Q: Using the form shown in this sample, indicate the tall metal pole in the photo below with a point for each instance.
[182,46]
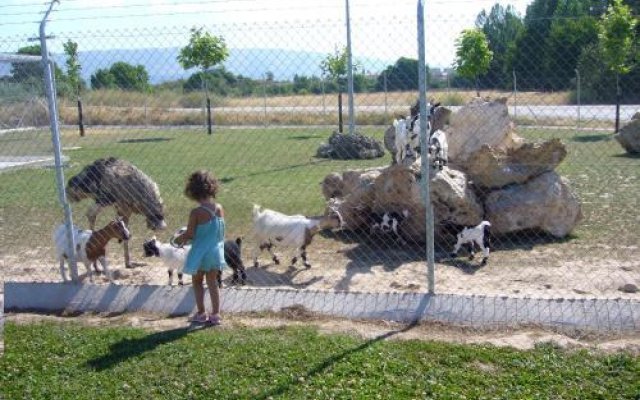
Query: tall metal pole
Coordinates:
[515,95]
[55,139]
[426,165]
[350,74]
[578,98]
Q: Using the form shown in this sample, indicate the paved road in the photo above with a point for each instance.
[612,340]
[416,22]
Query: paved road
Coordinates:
[588,112]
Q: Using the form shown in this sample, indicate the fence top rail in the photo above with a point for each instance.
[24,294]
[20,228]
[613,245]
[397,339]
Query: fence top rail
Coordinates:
[8,57]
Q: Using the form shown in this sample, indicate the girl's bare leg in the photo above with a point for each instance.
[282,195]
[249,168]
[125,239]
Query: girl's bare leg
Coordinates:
[198,290]
[214,291]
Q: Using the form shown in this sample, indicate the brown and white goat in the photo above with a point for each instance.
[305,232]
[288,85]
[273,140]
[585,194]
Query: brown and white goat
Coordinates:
[90,245]
[272,228]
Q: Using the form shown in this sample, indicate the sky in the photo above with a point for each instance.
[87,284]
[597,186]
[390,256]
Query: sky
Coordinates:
[380,28]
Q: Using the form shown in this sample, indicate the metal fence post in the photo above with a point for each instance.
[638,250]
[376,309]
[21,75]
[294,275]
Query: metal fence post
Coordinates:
[578,98]
[55,139]
[425,167]
[350,74]
[515,96]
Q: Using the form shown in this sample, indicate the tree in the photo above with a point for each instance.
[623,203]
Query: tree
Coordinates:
[27,71]
[73,66]
[501,26]
[473,55]
[335,66]
[204,51]
[121,75]
[403,75]
[130,77]
[616,37]
[103,79]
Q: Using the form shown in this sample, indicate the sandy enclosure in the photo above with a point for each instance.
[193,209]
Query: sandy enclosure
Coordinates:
[548,271]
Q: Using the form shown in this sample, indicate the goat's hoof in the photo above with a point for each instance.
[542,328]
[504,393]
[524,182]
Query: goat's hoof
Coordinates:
[276,261]
[294,260]
[128,266]
[484,262]
[471,257]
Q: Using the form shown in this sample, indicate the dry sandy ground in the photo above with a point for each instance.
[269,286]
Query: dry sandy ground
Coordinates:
[546,271]
[371,330]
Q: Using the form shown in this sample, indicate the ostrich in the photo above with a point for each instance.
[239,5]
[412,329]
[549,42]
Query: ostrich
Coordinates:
[118,183]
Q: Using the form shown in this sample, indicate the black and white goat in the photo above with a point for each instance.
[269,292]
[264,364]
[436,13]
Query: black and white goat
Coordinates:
[90,245]
[478,235]
[388,222]
[174,257]
[273,228]
[438,146]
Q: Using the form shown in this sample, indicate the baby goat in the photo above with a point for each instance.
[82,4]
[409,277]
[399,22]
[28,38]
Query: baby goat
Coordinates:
[272,228]
[479,235]
[388,223]
[174,257]
[90,245]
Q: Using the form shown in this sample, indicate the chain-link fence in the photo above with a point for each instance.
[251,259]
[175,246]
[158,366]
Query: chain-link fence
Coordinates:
[530,150]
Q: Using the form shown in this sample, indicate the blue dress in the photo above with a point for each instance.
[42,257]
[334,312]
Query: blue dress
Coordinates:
[207,247]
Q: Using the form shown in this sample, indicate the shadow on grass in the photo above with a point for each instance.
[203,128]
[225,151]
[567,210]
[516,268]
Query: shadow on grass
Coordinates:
[304,137]
[130,348]
[591,138]
[336,358]
[627,155]
[145,140]
[227,179]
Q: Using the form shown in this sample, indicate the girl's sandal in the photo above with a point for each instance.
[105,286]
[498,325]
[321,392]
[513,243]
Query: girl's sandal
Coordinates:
[199,318]
[214,320]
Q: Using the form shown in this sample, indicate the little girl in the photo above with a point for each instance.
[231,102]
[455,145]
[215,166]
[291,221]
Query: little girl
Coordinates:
[206,230]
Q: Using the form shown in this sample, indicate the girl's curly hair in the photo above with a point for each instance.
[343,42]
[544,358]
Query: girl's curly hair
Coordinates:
[200,185]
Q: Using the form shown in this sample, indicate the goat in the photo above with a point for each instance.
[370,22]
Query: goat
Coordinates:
[479,235]
[174,257]
[439,149]
[388,223]
[272,228]
[111,181]
[90,245]
[402,142]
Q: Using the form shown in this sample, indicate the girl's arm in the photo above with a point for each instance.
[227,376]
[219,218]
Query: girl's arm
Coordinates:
[191,227]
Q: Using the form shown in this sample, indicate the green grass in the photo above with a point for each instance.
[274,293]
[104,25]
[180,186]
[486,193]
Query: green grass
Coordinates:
[69,361]
[277,168]
[273,167]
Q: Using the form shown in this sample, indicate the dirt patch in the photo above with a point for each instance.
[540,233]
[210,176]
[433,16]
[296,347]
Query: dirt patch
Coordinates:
[544,271]
[522,339]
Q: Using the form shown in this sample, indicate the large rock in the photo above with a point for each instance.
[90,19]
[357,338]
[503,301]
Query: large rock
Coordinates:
[477,124]
[546,203]
[629,136]
[397,188]
[492,168]
[347,147]
[354,190]
[454,200]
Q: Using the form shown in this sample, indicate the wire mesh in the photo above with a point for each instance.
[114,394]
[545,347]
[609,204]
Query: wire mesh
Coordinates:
[541,165]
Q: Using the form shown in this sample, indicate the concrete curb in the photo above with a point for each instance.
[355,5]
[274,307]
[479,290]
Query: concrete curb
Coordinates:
[478,311]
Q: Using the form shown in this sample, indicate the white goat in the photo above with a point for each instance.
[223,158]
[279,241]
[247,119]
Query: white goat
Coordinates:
[479,235]
[402,140]
[272,228]
[90,245]
[172,257]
